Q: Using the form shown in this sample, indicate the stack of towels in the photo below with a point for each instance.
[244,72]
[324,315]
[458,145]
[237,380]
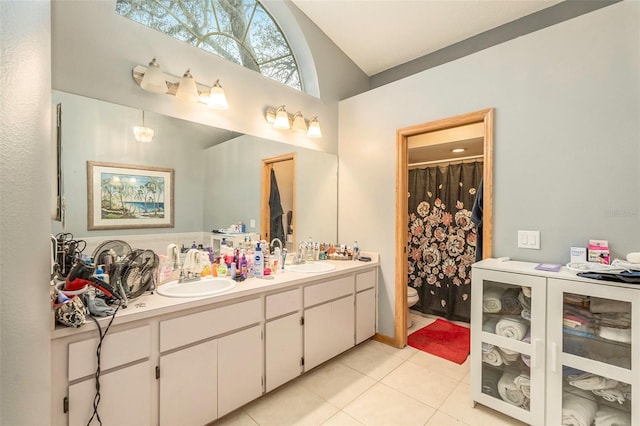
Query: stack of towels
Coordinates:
[579,408]
[507,301]
[511,386]
[612,319]
[608,389]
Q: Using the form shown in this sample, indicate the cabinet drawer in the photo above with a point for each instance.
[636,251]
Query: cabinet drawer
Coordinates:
[329,290]
[195,327]
[283,303]
[117,349]
[365,280]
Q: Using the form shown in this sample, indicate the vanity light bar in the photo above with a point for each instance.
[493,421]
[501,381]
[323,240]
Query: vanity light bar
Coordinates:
[173,83]
[279,118]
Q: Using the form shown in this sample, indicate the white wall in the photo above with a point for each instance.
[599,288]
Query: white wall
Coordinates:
[25,86]
[94,51]
[567,126]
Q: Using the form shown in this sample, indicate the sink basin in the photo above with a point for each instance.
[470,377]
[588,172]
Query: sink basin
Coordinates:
[310,267]
[204,287]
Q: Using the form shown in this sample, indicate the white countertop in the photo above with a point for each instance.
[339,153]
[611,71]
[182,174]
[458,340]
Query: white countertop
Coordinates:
[153,304]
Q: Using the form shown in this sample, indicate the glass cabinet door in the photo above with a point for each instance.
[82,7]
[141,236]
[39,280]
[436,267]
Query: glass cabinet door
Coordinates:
[508,336]
[590,328]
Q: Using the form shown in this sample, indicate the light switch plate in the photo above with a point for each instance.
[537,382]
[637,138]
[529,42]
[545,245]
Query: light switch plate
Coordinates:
[529,240]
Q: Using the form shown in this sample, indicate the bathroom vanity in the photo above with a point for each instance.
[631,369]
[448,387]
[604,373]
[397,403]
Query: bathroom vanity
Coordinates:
[189,361]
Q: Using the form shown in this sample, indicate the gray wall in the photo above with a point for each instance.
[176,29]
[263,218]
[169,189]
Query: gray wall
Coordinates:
[233,185]
[25,86]
[101,131]
[567,125]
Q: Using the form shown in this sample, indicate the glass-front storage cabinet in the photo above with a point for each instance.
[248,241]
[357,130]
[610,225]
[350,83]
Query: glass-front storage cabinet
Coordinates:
[508,343]
[592,353]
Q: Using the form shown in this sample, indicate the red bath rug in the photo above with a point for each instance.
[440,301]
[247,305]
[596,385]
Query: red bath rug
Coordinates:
[443,339]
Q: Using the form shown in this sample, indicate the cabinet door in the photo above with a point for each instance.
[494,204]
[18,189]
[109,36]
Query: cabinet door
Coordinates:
[188,385]
[240,366]
[328,331]
[591,328]
[283,342]
[124,397]
[365,315]
[507,343]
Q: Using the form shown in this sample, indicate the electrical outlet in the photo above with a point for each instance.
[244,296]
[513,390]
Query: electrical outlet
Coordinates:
[252,223]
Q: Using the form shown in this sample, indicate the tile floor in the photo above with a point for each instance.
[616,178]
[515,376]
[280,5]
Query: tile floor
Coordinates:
[374,384]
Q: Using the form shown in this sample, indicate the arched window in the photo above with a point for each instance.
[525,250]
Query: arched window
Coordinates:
[241,31]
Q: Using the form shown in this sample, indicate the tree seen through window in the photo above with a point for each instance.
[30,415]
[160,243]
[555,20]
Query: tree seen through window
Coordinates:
[241,31]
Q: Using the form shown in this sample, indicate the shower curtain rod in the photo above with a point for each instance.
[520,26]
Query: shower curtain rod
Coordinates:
[452,160]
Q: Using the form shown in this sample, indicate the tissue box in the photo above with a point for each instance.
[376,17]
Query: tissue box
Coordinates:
[599,251]
[578,254]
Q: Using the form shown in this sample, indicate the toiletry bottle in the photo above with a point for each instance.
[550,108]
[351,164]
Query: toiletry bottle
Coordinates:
[243,266]
[258,262]
[276,259]
[222,268]
[309,249]
[233,271]
[194,245]
[356,250]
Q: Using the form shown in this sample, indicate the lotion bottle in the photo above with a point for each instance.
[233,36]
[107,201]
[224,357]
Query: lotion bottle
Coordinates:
[258,262]
[222,268]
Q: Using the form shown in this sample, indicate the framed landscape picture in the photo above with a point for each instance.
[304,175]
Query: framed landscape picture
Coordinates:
[124,196]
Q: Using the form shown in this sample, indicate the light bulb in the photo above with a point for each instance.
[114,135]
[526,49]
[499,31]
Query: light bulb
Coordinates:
[299,125]
[314,129]
[282,119]
[217,98]
[187,89]
[153,80]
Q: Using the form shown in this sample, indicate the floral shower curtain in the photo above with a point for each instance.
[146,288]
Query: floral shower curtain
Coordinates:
[442,238]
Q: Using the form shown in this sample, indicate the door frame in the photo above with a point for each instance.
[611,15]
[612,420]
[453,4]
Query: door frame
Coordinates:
[402,208]
[265,211]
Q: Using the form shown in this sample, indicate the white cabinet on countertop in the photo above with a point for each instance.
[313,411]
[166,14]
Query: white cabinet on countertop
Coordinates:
[168,361]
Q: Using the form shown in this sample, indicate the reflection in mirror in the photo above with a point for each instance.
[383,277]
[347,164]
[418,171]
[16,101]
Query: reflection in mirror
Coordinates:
[278,199]
[217,172]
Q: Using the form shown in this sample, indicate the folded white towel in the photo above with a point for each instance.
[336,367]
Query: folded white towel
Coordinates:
[578,410]
[508,390]
[616,334]
[492,357]
[611,395]
[491,300]
[588,381]
[513,328]
[524,384]
[608,416]
[526,291]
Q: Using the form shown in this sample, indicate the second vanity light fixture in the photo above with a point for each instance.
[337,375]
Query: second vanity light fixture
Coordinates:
[279,118]
[152,79]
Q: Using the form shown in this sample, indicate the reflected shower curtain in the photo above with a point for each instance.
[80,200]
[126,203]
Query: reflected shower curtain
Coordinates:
[442,238]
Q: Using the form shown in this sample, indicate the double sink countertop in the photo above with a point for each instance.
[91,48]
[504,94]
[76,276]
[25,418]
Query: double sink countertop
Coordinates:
[153,304]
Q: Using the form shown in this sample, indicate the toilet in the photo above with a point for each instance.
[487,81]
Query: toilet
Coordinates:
[412,299]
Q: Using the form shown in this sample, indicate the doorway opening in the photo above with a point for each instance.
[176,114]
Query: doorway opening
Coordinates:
[436,135]
[278,200]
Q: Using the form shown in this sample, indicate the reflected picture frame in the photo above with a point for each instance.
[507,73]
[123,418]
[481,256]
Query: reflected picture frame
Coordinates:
[123,196]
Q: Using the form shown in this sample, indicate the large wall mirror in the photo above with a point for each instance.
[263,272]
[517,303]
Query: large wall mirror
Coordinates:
[217,172]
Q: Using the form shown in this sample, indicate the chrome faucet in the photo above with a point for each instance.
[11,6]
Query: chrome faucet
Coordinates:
[274,241]
[188,277]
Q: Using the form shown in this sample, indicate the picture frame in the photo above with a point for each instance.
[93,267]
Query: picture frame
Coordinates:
[123,196]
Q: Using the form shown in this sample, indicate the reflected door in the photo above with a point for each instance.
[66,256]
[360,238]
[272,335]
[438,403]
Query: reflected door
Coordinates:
[277,208]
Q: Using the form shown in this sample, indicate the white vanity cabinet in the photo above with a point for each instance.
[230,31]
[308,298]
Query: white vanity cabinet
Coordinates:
[329,320]
[210,363]
[125,380]
[169,361]
[507,343]
[580,355]
[365,305]
[283,337]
